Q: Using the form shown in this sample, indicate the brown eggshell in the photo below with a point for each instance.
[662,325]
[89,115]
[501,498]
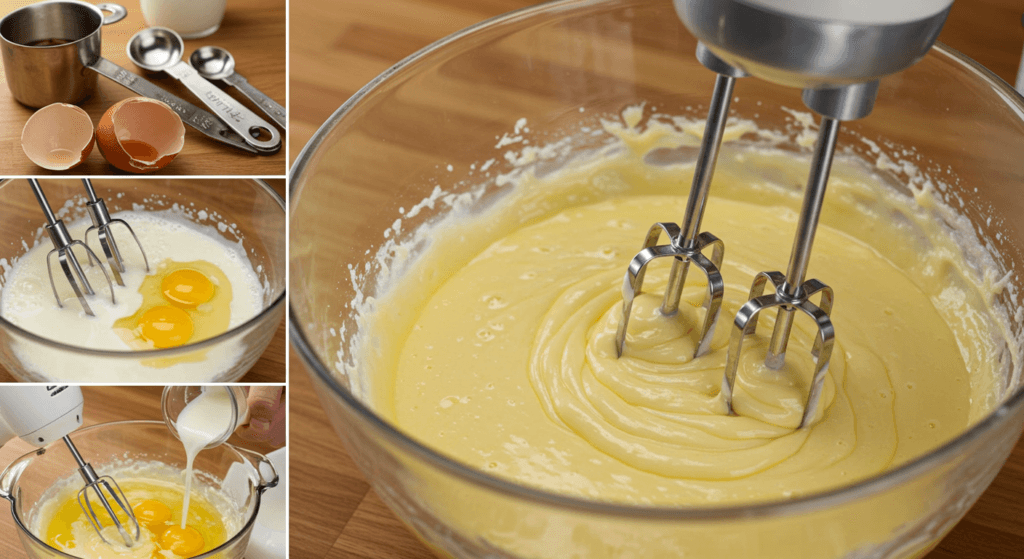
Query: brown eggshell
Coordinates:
[140,135]
[58,137]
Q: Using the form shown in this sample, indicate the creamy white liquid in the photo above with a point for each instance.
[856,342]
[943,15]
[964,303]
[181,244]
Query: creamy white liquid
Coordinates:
[27,301]
[204,420]
[27,298]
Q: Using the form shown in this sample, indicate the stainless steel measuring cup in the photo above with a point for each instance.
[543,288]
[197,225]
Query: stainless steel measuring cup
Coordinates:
[47,48]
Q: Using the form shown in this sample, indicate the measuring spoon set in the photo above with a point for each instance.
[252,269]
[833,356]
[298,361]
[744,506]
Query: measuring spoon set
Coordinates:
[52,52]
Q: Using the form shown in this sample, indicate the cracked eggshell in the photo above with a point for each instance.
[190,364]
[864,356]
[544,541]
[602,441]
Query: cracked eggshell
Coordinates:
[140,135]
[58,137]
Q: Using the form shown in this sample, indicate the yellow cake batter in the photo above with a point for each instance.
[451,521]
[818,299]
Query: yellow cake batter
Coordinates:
[503,337]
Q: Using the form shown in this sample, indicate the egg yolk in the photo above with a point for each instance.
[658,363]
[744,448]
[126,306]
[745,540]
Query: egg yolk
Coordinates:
[187,288]
[151,512]
[185,542]
[194,304]
[166,326]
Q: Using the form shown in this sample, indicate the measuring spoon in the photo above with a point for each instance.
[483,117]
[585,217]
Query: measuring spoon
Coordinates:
[215,63]
[159,49]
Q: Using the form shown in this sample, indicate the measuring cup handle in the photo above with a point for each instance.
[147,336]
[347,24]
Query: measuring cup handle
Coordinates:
[234,114]
[264,468]
[117,12]
[272,108]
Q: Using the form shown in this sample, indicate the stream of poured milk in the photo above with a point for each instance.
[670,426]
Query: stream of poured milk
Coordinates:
[204,420]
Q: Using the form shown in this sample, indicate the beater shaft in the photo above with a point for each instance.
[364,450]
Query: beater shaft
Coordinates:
[63,245]
[702,175]
[821,165]
[101,224]
[107,490]
[792,291]
[688,243]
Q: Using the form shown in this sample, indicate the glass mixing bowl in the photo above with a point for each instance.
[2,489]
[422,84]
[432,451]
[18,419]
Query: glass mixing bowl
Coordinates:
[243,210]
[239,475]
[444,119]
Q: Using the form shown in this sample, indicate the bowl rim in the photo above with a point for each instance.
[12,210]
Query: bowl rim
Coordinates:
[246,527]
[866,487]
[173,351]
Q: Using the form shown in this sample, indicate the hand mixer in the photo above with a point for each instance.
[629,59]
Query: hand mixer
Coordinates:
[835,51]
[39,415]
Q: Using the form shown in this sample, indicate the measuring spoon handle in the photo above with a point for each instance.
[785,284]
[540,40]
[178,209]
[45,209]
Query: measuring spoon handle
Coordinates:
[269,107]
[190,114]
[233,113]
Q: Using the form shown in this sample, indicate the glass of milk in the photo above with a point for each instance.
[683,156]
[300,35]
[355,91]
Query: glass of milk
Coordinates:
[191,19]
[224,408]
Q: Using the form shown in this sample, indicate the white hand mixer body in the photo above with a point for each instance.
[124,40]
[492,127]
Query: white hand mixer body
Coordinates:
[40,415]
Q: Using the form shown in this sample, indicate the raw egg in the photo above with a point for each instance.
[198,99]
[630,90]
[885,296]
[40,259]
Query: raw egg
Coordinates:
[166,326]
[187,287]
[157,504]
[152,512]
[58,137]
[140,135]
[182,302]
[185,541]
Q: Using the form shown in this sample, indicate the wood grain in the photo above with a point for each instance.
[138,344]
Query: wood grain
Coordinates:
[365,37]
[102,405]
[252,30]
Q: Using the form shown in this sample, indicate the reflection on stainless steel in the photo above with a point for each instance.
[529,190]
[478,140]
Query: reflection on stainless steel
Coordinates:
[47,46]
[836,53]
[101,224]
[215,63]
[817,50]
[687,243]
[202,121]
[63,248]
[159,49]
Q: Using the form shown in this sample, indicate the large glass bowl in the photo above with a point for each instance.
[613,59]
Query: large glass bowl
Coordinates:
[438,118]
[251,213]
[238,475]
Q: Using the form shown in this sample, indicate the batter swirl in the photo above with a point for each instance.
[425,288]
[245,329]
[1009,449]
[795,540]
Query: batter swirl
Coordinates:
[509,364]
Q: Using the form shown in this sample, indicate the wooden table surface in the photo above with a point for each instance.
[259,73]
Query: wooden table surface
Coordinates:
[102,405]
[253,31]
[345,518]
[271,365]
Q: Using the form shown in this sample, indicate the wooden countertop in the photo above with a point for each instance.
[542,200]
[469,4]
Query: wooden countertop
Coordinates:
[102,404]
[252,30]
[364,37]
[271,365]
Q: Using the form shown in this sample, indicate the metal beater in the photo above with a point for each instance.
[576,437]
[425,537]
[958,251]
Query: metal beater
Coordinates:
[687,244]
[835,51]
[63,245]
[101,224]
[105,490]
